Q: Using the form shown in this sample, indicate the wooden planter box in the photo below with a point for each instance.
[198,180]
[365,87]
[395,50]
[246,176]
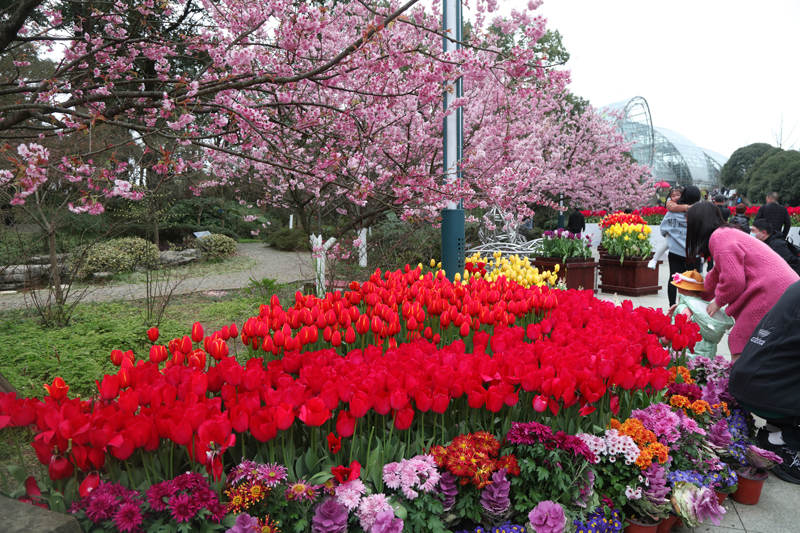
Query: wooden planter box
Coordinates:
[631,278]
[579,272]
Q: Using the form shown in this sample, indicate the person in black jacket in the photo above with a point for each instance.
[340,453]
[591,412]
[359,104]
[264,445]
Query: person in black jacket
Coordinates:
[577,222]
[762,230]
[719,201]
[741,219]
[776,214]
[765,380]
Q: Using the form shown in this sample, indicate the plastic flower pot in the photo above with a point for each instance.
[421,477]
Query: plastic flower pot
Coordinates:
[638,527]
[721,496]
[749,491]
[666,524]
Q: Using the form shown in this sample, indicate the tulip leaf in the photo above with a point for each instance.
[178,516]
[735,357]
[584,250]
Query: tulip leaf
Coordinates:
[299,468]
[56,501]
[18,473]
[320,477]
[310,460]
[70,490]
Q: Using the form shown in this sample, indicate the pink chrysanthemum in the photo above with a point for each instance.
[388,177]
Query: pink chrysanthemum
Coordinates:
[128,517]
[272,474]
[159,494]
[182,507]
[101,508]
[301,491]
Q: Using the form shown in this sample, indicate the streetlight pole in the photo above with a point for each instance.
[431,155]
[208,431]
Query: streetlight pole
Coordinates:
[452,142]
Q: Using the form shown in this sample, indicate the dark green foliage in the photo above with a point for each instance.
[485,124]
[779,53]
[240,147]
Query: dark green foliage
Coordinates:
[395,243]
[734,170]
[216,245]
[177,233]
[289,240]
[777,170]
[79,353]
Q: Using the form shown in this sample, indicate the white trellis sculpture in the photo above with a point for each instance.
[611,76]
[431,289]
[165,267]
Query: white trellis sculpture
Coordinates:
[319,252]
[320,256]
[504,230]
[504,237]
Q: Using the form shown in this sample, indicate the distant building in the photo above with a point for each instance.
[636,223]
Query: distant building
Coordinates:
[671,156]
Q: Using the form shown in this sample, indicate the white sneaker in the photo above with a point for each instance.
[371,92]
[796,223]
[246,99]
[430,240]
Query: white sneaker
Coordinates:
[652,264]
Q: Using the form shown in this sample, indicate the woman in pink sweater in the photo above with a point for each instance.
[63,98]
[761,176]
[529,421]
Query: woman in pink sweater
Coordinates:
[747,276]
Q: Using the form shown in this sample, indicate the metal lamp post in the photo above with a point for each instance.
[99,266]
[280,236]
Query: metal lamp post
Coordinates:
[453,214]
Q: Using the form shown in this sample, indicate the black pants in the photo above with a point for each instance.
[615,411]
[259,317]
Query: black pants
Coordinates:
[677,263]
[789,430]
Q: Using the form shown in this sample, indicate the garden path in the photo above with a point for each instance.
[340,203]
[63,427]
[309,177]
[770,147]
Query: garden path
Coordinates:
[282,266]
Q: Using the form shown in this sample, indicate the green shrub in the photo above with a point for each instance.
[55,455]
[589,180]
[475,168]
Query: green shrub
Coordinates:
[289,240]
[119,255]
[215,246]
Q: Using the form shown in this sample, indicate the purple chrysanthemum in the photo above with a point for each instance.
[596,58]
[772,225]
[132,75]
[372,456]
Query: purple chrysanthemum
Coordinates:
[547,517]
[330,517]
[128,517]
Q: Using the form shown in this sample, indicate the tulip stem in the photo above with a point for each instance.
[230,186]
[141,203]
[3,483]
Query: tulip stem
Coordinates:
[131,484]
[146,471]
[5,482]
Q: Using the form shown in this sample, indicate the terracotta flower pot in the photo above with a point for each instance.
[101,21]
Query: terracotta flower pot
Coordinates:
[666,524]
[629,278]
[638,527]
[721,496]
[749,491]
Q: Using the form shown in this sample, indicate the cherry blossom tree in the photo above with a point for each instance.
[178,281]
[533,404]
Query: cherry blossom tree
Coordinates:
[335,106]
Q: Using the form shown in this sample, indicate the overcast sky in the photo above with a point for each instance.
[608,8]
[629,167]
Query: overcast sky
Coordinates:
[722,73]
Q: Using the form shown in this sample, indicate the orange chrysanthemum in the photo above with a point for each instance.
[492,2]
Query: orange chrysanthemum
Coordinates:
[679,401]
[684,372]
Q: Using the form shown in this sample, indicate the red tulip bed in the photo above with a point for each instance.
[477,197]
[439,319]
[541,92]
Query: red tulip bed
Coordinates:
[380,408]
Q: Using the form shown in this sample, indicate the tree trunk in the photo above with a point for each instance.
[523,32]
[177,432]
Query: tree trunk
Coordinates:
[155,232]
[5,386]
[55,271]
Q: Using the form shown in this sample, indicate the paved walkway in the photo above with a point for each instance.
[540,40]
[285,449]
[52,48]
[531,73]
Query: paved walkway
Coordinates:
[282,266]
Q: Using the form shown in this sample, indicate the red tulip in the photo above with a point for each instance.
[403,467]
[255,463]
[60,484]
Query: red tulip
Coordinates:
[345,424]
[152,334]
[109,388]
[116,357]
[615,404]
[343,474]
[539,403]
[403,418]
[334,443]
[197,332]
[59,468]
[234,331]
[91,482]
[314,412]
[186,344]
[58,390]
[360,403]
[158,353]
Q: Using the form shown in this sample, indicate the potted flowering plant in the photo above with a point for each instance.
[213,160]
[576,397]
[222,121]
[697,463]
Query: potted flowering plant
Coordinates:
[569,255]
[753,473]
[630,277]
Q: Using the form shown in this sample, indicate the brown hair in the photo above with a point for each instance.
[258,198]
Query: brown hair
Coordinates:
[741,209]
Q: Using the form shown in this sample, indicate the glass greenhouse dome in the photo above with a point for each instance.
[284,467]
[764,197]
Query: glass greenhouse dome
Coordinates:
[671,156]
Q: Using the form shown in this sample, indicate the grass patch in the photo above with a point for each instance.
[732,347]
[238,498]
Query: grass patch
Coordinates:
[79,353]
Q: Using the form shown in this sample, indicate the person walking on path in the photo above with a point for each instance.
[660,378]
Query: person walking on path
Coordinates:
[719,201]
[762,230]
[740,218]
[776,214]
[673,227]
[577,222]
[748,278]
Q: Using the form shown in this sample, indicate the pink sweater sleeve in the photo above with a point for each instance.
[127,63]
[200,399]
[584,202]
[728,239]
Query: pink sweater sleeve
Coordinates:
[710,285]
[731,282]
